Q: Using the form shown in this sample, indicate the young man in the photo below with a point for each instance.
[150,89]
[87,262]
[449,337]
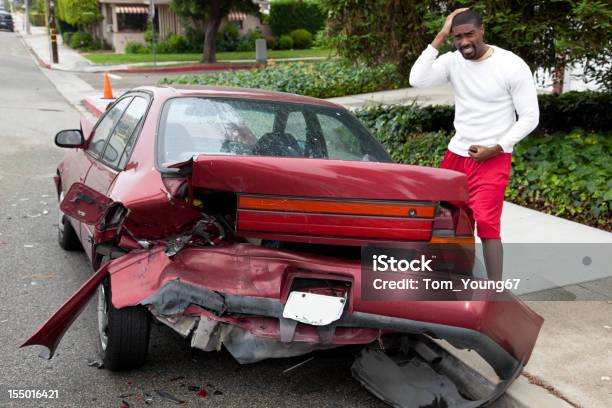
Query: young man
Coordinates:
[491,86]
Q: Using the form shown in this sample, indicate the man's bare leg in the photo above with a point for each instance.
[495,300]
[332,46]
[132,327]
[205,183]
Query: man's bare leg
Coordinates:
[494,257]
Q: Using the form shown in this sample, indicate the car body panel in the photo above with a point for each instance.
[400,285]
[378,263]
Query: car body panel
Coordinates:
[184,261]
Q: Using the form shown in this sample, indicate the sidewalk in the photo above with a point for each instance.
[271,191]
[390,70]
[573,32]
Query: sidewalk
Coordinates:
[573,356]
[72,61]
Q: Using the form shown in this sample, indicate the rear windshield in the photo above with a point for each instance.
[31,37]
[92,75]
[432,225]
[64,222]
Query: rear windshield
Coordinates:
[193,125]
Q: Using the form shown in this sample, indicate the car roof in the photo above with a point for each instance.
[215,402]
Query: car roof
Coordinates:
[170,91]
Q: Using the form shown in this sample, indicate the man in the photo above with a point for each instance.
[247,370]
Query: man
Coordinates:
[490,84]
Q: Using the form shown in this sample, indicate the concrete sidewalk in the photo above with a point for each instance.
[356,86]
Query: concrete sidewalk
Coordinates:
[72,61]
[572,362]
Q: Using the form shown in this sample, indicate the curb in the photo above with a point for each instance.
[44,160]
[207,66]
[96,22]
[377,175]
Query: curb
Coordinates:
[41,63]
[188,68]
[92,107]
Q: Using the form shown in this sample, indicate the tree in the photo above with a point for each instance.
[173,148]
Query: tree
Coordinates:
[208,14]
[78,12]
[548,34]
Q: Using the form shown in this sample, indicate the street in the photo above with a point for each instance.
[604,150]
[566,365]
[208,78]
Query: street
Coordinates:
[36,276]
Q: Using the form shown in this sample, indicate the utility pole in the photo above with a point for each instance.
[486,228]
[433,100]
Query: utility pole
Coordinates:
[26,20]
[52,32]
[151,21]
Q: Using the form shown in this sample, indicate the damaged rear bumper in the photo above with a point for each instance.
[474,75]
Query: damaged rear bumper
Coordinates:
[175,297]
[235,294]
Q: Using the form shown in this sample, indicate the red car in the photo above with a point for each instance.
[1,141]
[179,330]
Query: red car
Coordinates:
[237,217]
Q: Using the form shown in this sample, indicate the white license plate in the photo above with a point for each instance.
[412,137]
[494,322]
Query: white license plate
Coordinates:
[314,309]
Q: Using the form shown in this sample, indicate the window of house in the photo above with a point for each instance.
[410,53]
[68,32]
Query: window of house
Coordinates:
[132,21]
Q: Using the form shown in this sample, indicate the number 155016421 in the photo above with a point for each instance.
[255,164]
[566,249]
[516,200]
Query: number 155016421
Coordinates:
[33,394]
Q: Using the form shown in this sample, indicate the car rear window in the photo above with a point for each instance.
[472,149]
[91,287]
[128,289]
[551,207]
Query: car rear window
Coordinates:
[195,125]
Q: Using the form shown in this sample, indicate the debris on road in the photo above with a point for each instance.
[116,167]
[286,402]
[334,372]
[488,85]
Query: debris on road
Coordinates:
[298,365]
[28,246]
[95,363]
[124,404]
[605,378]
[167,396]
[180,377]
[202,393]
[217,392]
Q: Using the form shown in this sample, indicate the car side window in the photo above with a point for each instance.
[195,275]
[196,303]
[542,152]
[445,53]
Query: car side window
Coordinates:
[340,141]
[121,138]
[106,126]
[296,126]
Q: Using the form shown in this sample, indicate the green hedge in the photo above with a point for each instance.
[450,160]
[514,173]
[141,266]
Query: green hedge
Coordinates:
[567,174]
[289,15]
[586,110]
[323,79]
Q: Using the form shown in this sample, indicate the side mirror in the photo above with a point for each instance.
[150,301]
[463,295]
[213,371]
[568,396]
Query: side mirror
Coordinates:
[69,138]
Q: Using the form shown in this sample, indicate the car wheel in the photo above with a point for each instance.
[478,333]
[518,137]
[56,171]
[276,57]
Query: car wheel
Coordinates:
[123,333]
[66,235]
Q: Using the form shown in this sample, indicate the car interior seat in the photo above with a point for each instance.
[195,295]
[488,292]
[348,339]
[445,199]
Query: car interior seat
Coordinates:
[178,143]
[278,144]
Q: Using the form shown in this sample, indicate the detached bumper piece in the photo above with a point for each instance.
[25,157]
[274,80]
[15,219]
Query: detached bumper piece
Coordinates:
[422,374]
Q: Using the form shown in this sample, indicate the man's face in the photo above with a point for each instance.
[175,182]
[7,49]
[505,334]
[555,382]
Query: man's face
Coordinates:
[468,39]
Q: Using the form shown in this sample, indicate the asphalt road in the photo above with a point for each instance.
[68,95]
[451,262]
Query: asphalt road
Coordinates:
[36,276]
[129,81]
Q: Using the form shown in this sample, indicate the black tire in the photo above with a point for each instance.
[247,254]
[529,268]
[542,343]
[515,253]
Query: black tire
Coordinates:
[66,235]
[127,333]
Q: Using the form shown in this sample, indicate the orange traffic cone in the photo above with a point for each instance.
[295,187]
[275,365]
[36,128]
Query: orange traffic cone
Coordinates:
[108,91]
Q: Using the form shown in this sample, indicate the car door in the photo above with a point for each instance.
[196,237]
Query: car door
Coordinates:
[111,156]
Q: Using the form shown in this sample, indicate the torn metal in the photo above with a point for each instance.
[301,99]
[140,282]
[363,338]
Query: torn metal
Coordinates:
[226,260]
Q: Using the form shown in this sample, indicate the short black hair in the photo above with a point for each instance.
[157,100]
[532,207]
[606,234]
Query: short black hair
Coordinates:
[467,17]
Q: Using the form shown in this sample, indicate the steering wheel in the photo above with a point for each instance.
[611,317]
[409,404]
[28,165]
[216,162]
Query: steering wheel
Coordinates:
[278,144]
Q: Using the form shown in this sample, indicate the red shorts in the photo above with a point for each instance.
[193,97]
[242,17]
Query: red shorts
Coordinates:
[487,183]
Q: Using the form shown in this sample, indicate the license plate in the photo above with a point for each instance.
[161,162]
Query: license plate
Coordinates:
[313,309]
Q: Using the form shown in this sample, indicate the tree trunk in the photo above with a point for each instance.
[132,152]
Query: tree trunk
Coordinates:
[210,37]
[558,75]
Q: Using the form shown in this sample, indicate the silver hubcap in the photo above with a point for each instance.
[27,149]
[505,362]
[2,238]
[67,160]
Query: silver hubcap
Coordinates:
[102,317]
[60,221]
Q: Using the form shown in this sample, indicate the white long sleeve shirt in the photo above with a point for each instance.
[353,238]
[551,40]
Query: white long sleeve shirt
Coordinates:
[487,94]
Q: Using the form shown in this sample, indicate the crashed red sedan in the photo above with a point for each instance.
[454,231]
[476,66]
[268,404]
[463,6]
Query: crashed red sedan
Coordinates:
[237,217]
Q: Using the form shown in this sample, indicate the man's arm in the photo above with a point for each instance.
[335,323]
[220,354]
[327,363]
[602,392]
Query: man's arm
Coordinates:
[525,99]
[427,70]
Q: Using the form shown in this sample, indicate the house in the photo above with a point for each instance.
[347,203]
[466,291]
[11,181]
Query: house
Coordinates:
[126,20]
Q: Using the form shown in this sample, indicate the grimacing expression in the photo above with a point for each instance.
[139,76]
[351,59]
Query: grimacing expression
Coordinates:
[468,39]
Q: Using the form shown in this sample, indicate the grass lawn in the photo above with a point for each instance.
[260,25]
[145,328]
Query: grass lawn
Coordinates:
[110,58]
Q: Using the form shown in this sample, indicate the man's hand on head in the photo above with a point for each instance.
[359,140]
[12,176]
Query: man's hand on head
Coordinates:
[482,153]
[446,29]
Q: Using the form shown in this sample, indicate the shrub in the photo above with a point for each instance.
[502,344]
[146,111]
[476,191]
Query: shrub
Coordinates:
[586,110]
[228,38]
[323,40]
[285,42]
[195,39]
[66,37]
[177,43]
[319,79]
[566,173]
[134,47]
[302,39]
[289,15]
[247,42]
[271,42]
[37,19]
[81,39]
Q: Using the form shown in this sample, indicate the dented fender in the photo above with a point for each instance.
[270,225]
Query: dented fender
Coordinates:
[50,333]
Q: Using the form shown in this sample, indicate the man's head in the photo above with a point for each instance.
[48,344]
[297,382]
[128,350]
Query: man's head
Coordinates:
[468,34]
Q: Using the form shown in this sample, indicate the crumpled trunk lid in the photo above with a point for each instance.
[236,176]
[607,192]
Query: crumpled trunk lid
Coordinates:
[311,200]
[336,179]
